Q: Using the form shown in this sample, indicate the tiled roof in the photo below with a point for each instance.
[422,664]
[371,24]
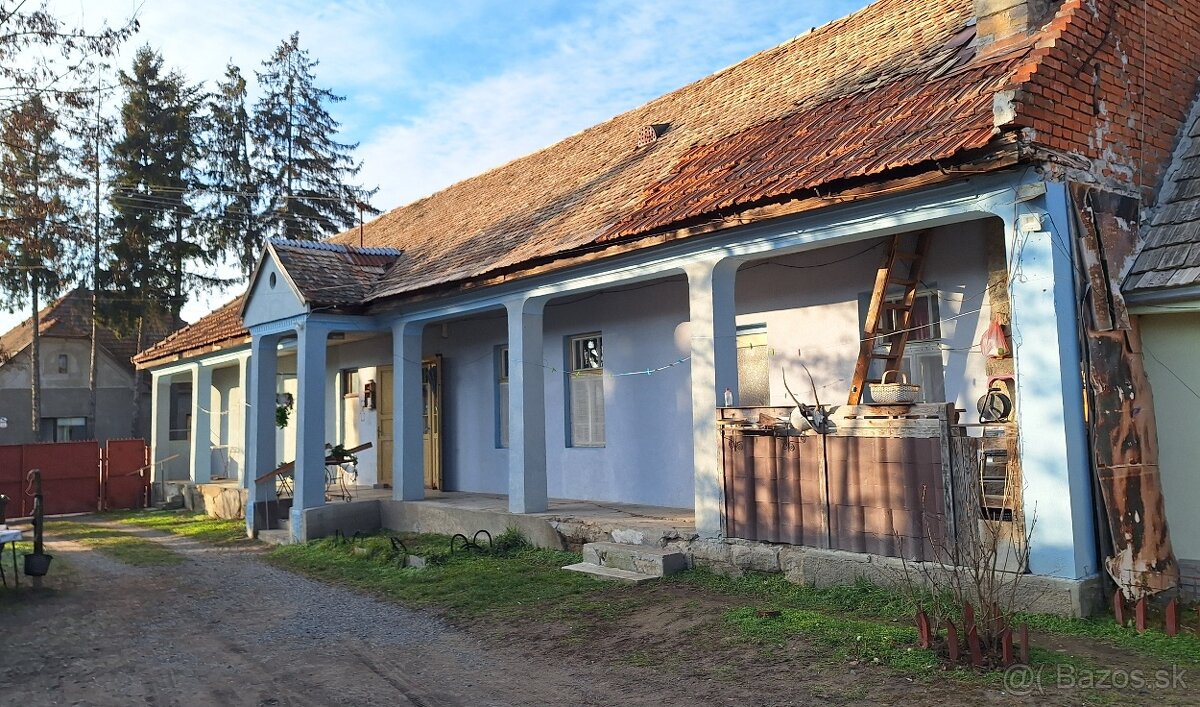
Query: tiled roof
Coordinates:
[70,317]
[333,274]
[221,328]
[894,85]
[1170,254]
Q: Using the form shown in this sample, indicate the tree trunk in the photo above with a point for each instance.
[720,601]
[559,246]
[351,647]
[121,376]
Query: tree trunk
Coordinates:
[35,370]
[92,345]
[134,426]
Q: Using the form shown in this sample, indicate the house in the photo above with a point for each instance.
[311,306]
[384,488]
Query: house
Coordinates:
[1163,292]
[65,355]
[198,379]
[582,322]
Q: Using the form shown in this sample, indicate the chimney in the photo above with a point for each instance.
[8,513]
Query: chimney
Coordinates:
[1000,20]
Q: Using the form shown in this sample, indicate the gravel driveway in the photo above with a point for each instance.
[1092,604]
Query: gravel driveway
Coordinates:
[224,628]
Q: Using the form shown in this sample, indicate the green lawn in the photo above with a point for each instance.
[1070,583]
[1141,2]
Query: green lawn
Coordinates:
[121,546]
[192,525]
[860,622]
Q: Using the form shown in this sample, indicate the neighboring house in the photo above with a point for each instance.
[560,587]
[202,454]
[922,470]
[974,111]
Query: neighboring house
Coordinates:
[65,355]
[1163,290]
[567,325]
[198,375]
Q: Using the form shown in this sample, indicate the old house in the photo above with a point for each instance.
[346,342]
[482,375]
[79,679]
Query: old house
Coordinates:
[588,322]
[65,354]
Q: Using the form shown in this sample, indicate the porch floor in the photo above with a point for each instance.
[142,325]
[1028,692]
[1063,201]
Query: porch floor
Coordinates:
[651,521]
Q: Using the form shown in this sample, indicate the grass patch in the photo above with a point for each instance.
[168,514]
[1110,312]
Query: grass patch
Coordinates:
[520,581]
[1183,648]
[217,531]
[123,547]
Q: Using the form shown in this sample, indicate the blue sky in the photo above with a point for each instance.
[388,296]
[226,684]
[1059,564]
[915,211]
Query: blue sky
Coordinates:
[440,91]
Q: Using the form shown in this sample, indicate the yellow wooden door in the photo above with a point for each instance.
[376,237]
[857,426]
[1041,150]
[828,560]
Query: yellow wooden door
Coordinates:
[431,394]
[383,403]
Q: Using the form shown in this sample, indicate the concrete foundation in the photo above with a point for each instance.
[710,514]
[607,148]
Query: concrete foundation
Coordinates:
[828,568]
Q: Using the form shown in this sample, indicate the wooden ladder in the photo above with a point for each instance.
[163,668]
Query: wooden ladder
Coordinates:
[911,265]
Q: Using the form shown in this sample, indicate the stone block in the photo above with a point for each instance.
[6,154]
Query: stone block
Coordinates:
[756,557]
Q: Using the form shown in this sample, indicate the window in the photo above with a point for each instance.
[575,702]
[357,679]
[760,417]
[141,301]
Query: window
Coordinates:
[64,363]
[64,429]
[501,397]
[181,411]
[753,364]
[585,390]
[922,362]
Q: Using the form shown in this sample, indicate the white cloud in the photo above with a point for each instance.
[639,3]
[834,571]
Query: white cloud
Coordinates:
[600,66]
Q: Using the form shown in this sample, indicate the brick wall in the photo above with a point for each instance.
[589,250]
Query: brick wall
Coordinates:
[1085,100]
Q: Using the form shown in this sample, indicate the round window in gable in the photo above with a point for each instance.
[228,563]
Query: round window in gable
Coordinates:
[272,280]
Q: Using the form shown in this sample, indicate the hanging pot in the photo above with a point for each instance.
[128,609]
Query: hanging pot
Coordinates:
[37,564]
[995,405]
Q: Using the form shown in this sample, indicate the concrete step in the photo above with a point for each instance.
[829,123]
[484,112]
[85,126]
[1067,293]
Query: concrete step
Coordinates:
[276,536]
[642,559]
[610,573]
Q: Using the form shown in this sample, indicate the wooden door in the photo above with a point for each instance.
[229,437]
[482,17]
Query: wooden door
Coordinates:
[431,395]
[383,403]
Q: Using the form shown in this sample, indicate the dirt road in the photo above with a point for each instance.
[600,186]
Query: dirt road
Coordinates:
[224,628]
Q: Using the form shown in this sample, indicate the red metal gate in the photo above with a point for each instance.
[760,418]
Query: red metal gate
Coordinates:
[126,474]
[76,478]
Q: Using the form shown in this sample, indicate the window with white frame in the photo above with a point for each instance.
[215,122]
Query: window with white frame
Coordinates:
[753,363]
[585,390]
[501,397]
[64,429]
[922,362]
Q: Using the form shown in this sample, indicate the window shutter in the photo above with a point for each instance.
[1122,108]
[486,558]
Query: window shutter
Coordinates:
[587,410]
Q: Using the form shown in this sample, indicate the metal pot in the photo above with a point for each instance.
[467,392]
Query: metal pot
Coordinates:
[37,564]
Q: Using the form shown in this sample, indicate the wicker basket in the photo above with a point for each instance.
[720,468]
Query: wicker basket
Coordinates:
[885,393]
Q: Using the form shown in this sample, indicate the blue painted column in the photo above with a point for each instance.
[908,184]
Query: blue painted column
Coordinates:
[260,423]
[160,432]
[1055,466]
[714,368]
[526,407]
[238,415]
[311,343]
[408,422]
[200,434]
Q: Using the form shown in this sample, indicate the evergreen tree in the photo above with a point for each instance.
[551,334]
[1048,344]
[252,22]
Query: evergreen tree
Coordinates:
[153,168]
[231,211]
[306,175]
[36,230]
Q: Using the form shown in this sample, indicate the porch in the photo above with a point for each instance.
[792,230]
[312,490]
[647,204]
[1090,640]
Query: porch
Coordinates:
[566,523]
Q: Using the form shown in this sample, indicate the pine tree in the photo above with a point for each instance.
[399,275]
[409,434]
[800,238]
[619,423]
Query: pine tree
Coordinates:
[36,228]
[306,175]
[231,213]
[153,168]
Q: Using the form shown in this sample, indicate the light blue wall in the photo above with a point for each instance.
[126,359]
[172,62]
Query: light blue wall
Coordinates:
[647,458]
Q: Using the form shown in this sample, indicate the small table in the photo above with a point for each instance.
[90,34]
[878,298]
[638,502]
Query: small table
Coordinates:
[10,537]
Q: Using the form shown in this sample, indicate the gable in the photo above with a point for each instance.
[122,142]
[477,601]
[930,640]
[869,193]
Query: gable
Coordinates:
[272,295]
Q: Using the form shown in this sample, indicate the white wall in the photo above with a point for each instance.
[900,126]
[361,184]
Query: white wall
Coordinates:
[1171,342]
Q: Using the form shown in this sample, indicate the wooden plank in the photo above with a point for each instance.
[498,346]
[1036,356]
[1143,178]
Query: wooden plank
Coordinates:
[866,344]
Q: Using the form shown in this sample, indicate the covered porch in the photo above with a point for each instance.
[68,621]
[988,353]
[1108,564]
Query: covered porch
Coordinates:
[672,316]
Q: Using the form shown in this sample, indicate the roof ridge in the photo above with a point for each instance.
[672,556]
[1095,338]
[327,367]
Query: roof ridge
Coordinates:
[335,247]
